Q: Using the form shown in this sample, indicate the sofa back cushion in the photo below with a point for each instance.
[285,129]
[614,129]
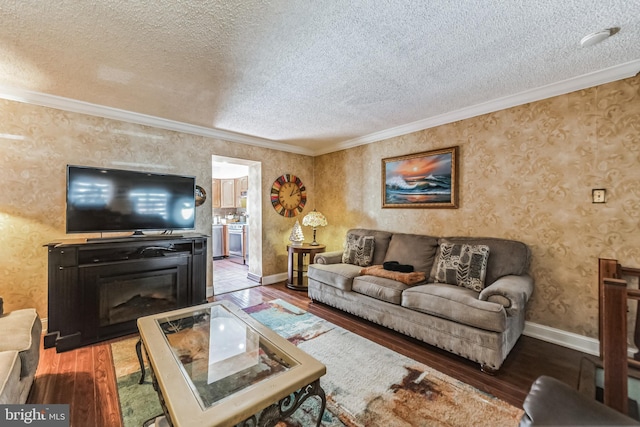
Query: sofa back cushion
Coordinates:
[358,250]
[413,249]
[381,239]
[505,256]
[462,265]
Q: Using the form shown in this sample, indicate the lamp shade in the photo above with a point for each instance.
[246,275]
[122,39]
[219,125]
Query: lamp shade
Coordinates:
[314,219]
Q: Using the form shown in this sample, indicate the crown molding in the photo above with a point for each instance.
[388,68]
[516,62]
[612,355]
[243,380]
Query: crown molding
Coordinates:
[75,106]
[596,78]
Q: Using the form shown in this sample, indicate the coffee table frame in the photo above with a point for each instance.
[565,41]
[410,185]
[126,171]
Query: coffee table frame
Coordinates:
[261,404]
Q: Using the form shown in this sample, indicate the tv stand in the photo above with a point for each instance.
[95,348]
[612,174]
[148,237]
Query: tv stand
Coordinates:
[98,288]
[139,234]
[134,237]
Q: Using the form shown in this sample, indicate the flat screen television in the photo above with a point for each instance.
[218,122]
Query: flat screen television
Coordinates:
[112,200]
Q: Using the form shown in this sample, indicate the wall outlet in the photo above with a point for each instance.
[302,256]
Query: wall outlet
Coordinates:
[598,195]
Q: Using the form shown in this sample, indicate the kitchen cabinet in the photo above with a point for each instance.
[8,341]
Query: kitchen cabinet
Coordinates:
[242,184]
[227,193]
[215,193]
[225,236]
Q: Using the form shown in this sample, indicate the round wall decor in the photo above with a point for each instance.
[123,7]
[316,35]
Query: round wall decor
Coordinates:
[288,195]
[201,195]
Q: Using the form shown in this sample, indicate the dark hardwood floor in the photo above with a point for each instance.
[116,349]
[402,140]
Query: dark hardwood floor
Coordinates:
[85,378]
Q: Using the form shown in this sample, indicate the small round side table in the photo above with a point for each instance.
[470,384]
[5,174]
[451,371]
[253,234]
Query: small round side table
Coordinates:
[297,273]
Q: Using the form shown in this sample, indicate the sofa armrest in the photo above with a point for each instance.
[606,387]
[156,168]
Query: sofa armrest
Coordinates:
[512,292]
[551,402]
[334,257]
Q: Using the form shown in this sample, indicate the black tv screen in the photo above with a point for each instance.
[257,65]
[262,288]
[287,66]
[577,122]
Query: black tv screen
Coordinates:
[103,200]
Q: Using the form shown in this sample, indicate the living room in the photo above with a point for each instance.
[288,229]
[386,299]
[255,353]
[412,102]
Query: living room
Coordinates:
[526,173]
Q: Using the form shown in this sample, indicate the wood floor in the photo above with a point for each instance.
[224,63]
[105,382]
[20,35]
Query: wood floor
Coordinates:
[85,379]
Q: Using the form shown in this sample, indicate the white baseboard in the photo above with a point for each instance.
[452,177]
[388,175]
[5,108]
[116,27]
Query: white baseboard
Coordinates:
[274,278]
[534,330]
[562,338]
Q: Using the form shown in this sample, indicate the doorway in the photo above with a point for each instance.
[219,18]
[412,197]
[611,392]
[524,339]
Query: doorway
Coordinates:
[236,224]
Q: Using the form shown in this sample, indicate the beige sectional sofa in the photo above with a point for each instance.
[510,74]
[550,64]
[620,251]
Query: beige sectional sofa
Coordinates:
[20,332]
[480,316]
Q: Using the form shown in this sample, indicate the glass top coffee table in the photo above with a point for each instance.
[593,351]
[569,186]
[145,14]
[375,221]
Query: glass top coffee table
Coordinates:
[214,365]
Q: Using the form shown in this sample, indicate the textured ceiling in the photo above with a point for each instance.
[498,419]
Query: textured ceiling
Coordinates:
[311,76]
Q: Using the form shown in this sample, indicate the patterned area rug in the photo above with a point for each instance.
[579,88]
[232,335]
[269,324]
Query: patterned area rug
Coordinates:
[366,384]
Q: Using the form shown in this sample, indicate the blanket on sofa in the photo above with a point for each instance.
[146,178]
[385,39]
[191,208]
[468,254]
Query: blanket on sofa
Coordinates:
[409,279]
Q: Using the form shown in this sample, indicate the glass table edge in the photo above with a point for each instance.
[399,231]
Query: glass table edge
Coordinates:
[239,315]
[183,402]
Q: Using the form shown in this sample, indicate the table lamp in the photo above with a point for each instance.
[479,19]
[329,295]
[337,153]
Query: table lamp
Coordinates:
[314,219]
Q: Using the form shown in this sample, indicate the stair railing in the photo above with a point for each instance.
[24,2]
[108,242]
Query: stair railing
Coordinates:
[613,298]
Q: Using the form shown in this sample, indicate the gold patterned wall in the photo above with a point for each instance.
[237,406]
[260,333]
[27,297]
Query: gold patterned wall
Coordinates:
[36,144]
[526,173]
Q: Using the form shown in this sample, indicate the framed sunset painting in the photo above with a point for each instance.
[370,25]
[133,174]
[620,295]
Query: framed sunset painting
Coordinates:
[421,180]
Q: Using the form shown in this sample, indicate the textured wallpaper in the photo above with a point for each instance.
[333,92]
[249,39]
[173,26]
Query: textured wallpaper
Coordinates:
[37,143]
[526,173]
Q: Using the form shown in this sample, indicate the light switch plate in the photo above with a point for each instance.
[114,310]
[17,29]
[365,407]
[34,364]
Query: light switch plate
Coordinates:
[598,195]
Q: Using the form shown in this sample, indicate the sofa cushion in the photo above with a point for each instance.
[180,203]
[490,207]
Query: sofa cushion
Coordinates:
[20,331]
[10,388]
[507,256]
[412,249]
[462,265]
[381,239]
[380,288]
[337,275]
[358,250]
[456,303]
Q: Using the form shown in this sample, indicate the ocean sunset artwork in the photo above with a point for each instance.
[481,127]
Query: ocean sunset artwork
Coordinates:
[421,180]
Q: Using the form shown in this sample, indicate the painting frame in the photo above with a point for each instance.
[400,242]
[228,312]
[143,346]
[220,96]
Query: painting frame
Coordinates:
[433,184]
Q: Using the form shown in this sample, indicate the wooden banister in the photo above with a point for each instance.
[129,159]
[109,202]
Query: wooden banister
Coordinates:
[613,296]
[614,340]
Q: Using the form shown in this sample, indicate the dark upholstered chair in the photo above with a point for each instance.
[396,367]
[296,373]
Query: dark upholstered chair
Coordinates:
[551,402]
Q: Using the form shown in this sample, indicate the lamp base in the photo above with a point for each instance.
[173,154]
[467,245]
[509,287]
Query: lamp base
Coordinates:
[314,243]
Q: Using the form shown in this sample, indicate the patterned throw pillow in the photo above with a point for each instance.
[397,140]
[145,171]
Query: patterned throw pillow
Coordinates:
[358,250]
[463,265]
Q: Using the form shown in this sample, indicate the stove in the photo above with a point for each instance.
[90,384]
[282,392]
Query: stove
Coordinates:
[236,226]
[237,240]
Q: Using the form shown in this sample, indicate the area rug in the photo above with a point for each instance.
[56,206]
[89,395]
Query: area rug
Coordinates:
[366,384]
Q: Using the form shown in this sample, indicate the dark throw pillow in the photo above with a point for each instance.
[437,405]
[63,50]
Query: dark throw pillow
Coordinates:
[462,265]
[358,250]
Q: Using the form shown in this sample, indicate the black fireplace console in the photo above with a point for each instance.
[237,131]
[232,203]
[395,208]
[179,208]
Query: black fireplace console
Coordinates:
[99,288]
